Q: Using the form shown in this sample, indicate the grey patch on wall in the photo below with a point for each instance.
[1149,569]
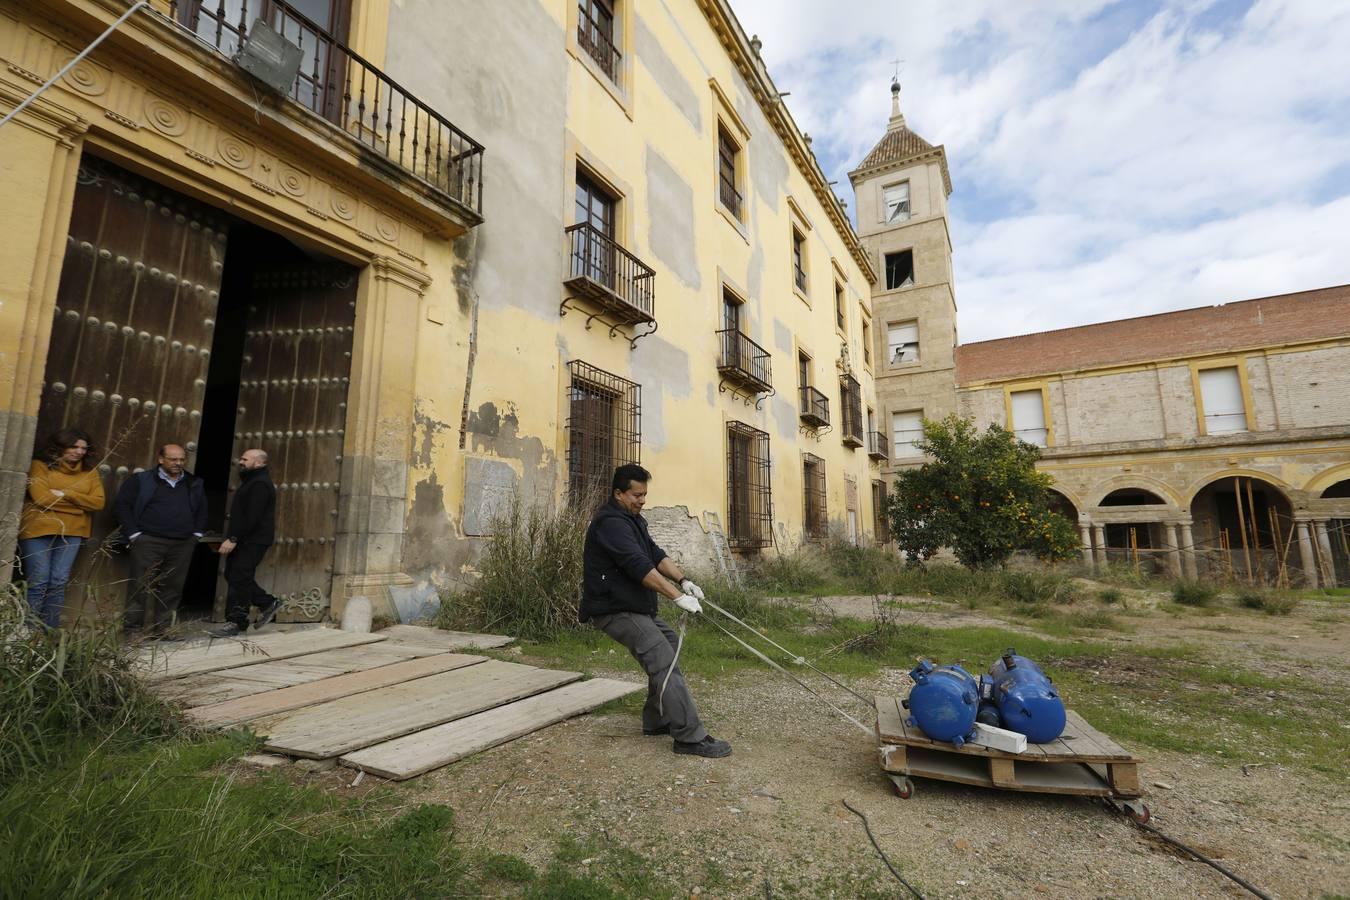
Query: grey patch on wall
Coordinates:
[670,203]
[663,370]
[489,486]
[712,394]
[485,422]
[497,434]
[782,336]
[785,417]
[754,276]
[667,75]
[518,111]
[679,534]
[425,431]
[430,530]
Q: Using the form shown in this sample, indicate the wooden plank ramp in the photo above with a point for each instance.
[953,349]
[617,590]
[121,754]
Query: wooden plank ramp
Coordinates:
[441,745]
[422,640]
[229,653]
[350,723]
[298,696]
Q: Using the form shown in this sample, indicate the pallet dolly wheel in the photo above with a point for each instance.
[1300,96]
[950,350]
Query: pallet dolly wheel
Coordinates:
[904,786]
[1137,810]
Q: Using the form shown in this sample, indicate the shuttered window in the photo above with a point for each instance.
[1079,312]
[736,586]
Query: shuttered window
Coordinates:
[897,202]
[1221,393]
[906,431]
[902,339]
[1028,417]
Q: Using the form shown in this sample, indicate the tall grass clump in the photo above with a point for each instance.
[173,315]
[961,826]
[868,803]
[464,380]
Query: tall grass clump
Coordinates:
[1026,586]
[529,581]
[803,572]
[1194,593]
[1268,602]
[59,686]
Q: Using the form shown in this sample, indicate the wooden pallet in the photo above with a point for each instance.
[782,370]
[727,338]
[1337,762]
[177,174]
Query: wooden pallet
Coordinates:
[1082,761]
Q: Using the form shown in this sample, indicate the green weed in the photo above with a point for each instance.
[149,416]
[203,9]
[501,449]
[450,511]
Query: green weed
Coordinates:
[1110,595]
[1193,593]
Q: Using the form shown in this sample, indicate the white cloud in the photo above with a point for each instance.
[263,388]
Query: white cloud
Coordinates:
[1109,159]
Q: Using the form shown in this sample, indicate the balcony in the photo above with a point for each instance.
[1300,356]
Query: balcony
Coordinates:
[815,407]
[599,45]
[850,402]
[730,197]
[743,362]
[878,446]
[616,281]
[334,82]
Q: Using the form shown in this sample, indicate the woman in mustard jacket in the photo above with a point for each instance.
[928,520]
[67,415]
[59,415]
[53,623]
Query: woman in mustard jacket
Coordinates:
[63,490]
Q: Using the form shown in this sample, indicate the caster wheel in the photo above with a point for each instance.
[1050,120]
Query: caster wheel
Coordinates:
[1138,810]
[904,787]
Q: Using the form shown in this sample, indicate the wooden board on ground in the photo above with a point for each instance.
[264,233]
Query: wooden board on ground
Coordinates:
[229,653]
[272,702]
[1082,761]
[420,638]
[342,726]
[435,747]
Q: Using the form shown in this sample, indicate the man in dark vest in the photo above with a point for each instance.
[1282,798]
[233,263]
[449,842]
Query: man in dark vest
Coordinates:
[623,571]
[250,531]
[162,513]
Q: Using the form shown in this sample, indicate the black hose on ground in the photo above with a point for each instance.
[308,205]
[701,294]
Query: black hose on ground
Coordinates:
[1237,879]
[880,852]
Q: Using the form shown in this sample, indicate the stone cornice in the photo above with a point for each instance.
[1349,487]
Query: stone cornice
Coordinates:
[728,29]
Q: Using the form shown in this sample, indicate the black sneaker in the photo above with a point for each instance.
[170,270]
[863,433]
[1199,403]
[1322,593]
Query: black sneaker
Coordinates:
[657,731]
[710,747]
[267,613]
[228,630]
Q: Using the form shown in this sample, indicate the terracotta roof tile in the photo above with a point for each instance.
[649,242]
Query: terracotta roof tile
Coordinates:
[895,146]
[1264,322]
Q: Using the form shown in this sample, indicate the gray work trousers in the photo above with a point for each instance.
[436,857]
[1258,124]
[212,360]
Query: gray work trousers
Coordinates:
[159,567]
[652,644]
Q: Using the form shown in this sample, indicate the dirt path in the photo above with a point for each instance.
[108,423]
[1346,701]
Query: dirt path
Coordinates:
[772,811]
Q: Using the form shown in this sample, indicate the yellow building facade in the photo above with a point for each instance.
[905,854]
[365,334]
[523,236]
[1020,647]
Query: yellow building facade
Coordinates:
[646,263]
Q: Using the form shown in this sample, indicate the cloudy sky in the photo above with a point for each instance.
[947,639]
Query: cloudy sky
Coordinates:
[1109,159]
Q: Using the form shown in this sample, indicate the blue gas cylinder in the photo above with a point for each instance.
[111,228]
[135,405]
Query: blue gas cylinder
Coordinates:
[943,702]
[1027,701]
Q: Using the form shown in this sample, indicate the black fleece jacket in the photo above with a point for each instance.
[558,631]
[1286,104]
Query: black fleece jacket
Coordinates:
[618,554]
[253,510]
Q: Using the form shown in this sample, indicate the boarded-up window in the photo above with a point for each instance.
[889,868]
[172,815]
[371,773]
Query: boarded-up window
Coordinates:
[902,340]
[906,431]
[896,199]
[1221,390]
[1028,417]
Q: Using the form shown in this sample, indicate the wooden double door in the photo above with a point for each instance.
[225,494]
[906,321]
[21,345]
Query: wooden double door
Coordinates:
[133,342]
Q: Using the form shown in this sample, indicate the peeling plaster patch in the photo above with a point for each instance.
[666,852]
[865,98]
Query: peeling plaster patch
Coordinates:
[498,435]
[782,336]
[489,486]
[785,417]
[431,531]
[670,201]
[425,435]
[667,75]
[485,422]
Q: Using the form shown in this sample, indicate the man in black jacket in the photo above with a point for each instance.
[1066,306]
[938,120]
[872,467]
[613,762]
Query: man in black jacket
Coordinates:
[162,512]
[250,531]
[623,571]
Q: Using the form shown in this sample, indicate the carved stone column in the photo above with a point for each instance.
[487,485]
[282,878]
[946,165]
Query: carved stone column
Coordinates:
[41,149]
[1099,532]
[1188,567]
[1085,531]
[372,505]
[1305,554]
[1327,562]
[1173,549]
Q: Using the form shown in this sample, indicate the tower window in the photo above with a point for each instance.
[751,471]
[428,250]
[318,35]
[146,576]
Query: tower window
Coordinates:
[896,202]
[902,339]
[899,269]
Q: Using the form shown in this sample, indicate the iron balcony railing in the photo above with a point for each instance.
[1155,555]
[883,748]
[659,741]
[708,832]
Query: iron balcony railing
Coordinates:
[815,407]
[731,198]
[607,274]
[592,38]
[878,445]
[336,83]
[799,278]
[744,361]
[850,409]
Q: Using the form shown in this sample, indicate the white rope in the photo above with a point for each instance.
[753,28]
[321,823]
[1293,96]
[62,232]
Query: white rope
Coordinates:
[679,645]
[70,65]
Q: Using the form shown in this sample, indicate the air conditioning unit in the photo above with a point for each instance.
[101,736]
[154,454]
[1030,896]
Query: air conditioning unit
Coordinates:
[269,57]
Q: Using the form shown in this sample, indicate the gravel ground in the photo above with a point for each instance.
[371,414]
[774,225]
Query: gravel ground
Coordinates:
[771,813]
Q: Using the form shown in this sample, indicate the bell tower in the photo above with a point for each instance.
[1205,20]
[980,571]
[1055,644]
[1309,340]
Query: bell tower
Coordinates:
[901,190]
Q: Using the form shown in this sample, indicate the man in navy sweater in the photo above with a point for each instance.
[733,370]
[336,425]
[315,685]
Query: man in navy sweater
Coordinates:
[250,530]
[162,512]
[623,571]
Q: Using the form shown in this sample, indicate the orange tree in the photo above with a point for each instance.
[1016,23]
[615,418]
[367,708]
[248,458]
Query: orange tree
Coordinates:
[979,494]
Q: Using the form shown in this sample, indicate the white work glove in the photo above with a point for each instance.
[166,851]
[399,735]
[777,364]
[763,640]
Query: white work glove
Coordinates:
[692,589]
[689,604]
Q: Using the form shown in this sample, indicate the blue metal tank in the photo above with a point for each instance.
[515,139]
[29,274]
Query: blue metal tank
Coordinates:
[1026,699]
[943,702]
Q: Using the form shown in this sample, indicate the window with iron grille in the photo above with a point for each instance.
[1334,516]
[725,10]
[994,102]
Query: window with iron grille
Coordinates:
[881,525]
[815,519]
[749,504]
[604,429]
[595,35]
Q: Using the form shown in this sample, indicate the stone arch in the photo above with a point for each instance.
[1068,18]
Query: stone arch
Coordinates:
[1242,524]
[1062,503]
[1320,482]
[1138,483]
[1132,497]
[1196,487]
